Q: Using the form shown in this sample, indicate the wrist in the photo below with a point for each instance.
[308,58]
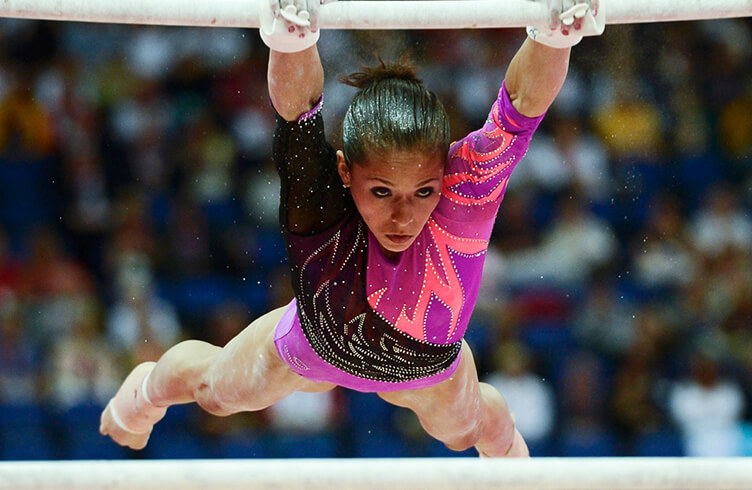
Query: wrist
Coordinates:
[289,29]
[288,42]
[554,39]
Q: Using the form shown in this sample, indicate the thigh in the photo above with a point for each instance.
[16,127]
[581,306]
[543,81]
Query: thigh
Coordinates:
[248,373]
[452,406]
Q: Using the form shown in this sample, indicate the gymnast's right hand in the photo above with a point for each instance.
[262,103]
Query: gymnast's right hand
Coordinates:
[129,417]
[569,22]
[289,26]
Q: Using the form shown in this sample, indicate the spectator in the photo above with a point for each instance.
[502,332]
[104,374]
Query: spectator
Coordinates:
[530,397]
[10,268]
[708,407]
[82,367]
[573,247]
[19,355]
[52,286]
[721,223]
[605,320]
[25,125]
[140,322]
[661,255]
[569,158]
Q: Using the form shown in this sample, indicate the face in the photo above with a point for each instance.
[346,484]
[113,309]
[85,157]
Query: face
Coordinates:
[395,194]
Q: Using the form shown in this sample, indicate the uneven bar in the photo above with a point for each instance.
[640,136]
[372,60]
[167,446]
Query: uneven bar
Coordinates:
[362,474]
[360,14]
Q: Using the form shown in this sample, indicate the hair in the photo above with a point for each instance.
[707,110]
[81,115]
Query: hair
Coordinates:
[392,111]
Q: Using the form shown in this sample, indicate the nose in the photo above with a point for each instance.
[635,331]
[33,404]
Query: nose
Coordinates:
[401,214]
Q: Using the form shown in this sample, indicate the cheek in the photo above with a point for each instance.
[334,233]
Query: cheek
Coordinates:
[427,207]
[373,211]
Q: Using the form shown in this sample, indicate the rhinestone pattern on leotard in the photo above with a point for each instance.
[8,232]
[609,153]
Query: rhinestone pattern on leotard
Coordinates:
[365,344]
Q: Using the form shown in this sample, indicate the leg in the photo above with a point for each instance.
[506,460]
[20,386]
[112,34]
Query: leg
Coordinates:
[247,374]
[461,412]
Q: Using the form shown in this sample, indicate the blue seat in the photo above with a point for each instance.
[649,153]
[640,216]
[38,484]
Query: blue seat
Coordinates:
[197,295]
[176,444]
[587,442]
[24,434]
[27,193]
[661,443]
[221,214]
[82,438]
[253,292]
[244,445]
[380,443]
[302,445]
[368,410]
[26,443]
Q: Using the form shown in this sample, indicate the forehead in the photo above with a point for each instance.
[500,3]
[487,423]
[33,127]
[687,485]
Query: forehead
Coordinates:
[403,166]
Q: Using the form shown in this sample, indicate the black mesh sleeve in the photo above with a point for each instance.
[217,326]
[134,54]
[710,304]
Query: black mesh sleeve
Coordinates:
[312,197]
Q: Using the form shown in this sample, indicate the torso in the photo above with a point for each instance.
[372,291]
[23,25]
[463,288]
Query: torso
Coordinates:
[401,319]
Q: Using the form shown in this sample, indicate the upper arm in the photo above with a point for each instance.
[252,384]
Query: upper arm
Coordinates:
[312,197]
[535,76]
[480,165]
[295,81]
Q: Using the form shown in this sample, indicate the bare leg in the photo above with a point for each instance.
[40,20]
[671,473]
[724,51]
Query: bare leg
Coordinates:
[461,412]
[247,374]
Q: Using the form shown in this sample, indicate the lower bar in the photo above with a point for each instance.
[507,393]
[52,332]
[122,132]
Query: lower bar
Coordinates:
[449,473]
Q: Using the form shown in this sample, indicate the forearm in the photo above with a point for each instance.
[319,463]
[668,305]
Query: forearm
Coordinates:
[296,81]
[535,76]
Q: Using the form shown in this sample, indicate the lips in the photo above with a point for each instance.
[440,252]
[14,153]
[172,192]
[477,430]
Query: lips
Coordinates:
[399,239]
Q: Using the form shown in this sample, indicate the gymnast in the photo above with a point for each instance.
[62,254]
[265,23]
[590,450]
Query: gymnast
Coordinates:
[385,237]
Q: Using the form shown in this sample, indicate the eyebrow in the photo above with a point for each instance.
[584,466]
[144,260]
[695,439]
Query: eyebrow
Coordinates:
[384,181]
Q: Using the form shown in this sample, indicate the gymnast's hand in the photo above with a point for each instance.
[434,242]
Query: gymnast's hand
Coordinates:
[129,417]
[289,26]
[569,22]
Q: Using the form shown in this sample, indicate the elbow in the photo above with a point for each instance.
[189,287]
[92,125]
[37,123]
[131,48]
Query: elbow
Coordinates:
[531,106]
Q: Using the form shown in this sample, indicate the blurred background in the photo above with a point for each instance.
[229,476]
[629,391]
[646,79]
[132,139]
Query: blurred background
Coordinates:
[138,207]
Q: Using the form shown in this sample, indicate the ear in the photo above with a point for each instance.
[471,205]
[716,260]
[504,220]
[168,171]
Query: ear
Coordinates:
[343,169]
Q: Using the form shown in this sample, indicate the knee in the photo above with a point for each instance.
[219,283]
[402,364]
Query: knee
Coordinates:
[211,400]
[465,428]
[465,437]
[213,395]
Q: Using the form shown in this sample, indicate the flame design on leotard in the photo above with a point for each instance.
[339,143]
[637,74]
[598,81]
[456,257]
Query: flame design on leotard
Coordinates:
[441,282]
[478,180]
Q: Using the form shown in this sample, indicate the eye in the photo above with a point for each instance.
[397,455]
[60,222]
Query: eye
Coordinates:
[425,192]
[381,192]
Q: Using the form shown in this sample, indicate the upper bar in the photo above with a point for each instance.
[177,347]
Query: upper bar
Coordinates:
[392,14]
[406,473]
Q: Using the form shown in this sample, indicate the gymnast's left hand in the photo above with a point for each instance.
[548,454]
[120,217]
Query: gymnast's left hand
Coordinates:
[289,26]
[569,22]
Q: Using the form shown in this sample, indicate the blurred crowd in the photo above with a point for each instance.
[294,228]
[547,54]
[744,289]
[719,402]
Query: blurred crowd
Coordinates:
[138,207]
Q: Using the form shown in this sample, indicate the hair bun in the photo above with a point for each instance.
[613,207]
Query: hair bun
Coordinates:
[369,75]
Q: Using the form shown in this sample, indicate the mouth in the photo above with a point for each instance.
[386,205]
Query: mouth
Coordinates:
[399,239]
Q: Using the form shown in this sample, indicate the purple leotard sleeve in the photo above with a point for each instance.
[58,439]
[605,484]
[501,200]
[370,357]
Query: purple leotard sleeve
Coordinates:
[479,166]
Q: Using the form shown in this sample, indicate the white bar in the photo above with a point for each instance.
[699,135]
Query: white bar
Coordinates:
[452,473]
[360,14]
